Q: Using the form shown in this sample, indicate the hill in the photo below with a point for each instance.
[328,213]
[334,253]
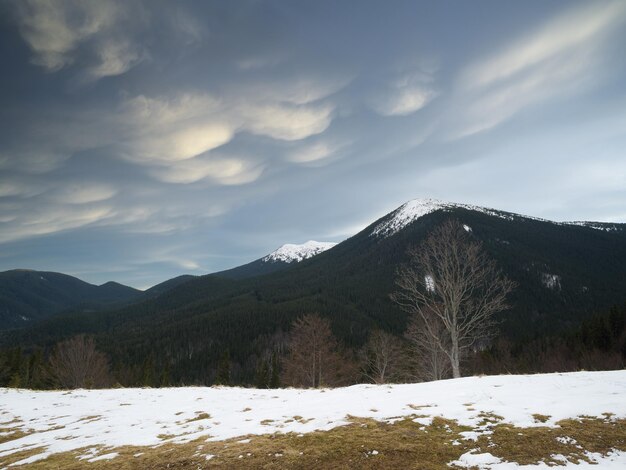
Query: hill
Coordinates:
[27,296]
[163,287]
[286,256]
[564,272]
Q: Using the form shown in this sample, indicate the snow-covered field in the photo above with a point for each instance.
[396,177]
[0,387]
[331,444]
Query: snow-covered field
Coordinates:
[111,418]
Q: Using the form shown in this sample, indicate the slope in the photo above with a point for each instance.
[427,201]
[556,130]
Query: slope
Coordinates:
[27,296]
[564,273]
[286,256]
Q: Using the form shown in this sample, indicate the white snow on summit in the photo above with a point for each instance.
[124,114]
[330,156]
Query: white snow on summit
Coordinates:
[413,210]
[290,252]
[604,226]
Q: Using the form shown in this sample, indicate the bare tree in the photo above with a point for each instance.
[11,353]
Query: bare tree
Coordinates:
[315,358]
[453,285]
[427,359]
[381,357]
[76,363]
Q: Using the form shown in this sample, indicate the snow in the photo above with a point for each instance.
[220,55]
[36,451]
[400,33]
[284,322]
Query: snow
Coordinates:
[105,419]
[429,282]
[471,459]
[410,211]
[108,456]
[604,226]
[551,281]
[487,461]
[290,252]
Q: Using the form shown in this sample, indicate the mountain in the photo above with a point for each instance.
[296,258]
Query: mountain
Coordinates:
[163,287]
[564,272]
[27,296]
[285,256]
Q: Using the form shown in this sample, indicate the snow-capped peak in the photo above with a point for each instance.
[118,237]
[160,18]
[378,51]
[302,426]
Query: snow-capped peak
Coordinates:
[290,252]
[413,210]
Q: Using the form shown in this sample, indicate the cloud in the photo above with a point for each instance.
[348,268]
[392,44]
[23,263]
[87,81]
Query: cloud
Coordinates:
[173,129]
[188,264]
[311,153]
[180,143]
[221,170]
[553,80]
[561,36]
[33,159]
[303,88]
[564,57]
[404,95]
[46,219]
[253,63]
[115,57]
[177,137]
[54,29]
[405,101]
[83,193]
[12,188]
[284,121]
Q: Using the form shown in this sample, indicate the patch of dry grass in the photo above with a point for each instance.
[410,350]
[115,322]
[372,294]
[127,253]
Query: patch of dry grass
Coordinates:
[10,459]
[199,416]
[539,418]
[365,443]
[10,434]
[571,438]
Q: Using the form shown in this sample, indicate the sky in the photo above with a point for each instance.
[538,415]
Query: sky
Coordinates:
[140,140]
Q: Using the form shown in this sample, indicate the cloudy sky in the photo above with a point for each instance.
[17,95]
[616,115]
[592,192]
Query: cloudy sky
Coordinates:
[142,140]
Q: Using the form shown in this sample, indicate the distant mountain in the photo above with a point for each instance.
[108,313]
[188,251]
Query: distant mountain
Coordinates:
[27,296]
[285,256]
[163,287]
[564,272]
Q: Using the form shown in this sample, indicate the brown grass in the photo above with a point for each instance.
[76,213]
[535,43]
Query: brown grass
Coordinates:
[539,418]
[12,434]
[199,416]
[365,443]
[571,438]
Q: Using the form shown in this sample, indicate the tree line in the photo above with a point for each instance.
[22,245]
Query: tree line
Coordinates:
[452,293]
[599,343]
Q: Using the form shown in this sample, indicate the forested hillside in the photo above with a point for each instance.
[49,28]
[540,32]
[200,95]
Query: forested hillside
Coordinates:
[27,296]
[564,273]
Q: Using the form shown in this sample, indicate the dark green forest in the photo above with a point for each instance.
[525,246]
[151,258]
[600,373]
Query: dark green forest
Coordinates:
[204,325]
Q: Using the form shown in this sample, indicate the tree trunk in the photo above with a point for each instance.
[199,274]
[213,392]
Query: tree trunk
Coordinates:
[454,358]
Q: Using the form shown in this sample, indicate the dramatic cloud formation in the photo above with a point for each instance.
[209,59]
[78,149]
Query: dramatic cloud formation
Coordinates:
[56,30]
[142,140]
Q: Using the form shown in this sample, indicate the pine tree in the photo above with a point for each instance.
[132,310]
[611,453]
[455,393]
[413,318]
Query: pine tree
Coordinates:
[261,378]
[16,380]
[617,321]
[165,376]
[223,370]
[147,378]
[275,377]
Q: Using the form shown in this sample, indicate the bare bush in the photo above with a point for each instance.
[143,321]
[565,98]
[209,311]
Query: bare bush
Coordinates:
[382,357]
[76,363]
[315,358]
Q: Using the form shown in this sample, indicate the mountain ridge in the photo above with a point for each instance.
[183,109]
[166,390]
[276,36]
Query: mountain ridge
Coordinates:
[28,295]
[564,273]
